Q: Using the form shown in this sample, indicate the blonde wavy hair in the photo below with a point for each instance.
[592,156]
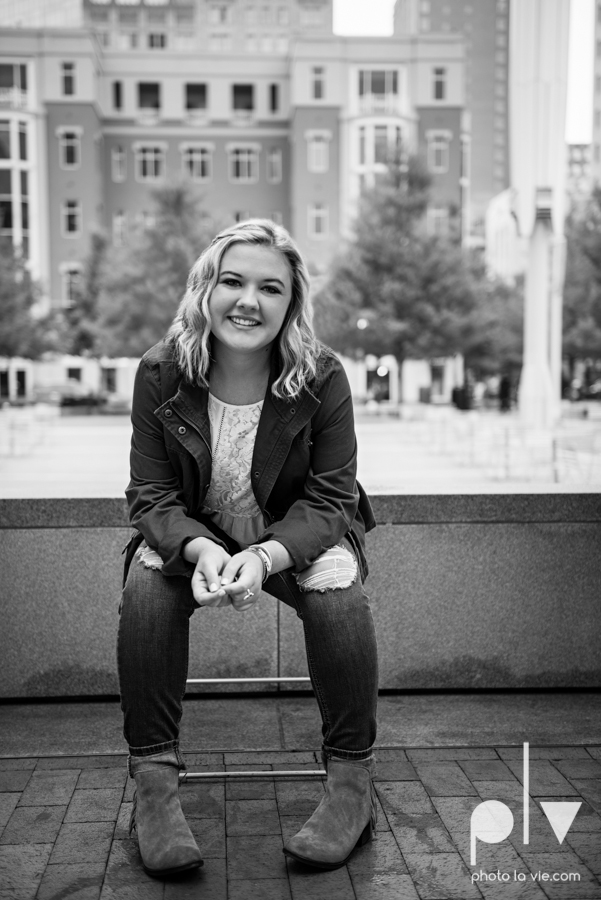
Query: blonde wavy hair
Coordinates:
[190,332]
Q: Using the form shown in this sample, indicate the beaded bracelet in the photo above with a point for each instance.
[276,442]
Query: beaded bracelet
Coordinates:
[265,557]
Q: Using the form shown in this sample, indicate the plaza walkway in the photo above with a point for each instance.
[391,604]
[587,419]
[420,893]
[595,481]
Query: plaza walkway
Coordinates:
[439,450]
[65,800]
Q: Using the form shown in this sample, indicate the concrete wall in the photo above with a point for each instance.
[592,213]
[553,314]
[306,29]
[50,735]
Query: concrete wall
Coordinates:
[468,592]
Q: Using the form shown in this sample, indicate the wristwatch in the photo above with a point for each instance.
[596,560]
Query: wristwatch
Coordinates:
[265,557]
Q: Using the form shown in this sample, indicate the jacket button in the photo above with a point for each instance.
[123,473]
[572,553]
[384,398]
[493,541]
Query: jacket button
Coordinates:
[292,411]
[181,429]
[168,413]
[256,474]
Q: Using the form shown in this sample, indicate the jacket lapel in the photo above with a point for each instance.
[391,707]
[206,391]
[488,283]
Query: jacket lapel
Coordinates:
[280,422]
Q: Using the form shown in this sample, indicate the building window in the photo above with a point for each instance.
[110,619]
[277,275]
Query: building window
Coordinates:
[438,221]
[118,95]
[22,141]
[318,82]
[277,217]
[311,15]
[196,96]
[220,43]
[197,162]
[70,148]
[71,278]
[438,151]
[283,15]
[242,215]
[71,218]
[274,166]
[243,97]
[150,162]
[118,164]
[68,78]
[318,220]
[219,14]
[381,144]
[318,152]
[243,164]
[362,146]
[274,98]
[378,90]
[157,40]
[149,95]
[119,228]
[4,139]
[439,86]
[13,84]
[6,204]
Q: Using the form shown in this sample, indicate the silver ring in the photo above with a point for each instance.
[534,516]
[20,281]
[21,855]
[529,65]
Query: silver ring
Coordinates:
[248,594]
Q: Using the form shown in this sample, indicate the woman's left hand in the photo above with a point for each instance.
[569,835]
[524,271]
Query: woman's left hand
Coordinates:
[243,573]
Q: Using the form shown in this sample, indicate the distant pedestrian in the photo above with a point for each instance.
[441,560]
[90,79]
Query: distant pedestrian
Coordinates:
[505,393]
[243,475]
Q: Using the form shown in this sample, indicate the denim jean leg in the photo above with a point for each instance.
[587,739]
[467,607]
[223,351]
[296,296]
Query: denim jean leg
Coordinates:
[342,656]
[152,656]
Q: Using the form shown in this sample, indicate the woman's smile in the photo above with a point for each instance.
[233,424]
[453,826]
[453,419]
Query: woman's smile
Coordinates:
[243,322]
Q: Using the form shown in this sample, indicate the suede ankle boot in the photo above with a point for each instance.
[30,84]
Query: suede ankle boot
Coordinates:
[344,819]
[167,846]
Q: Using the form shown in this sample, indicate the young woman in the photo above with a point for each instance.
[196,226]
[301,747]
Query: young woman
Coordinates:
[243,477]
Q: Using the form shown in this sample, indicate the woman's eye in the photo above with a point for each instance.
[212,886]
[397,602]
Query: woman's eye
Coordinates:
[272,289]
[230,281]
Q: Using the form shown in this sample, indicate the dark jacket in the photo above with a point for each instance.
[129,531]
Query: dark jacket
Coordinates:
[303,467]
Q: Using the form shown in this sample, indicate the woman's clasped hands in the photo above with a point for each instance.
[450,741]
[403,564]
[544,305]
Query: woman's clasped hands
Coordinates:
[223,580]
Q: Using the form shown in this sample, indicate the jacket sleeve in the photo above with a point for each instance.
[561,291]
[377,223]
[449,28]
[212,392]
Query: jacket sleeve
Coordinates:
[331,496]
[156,499]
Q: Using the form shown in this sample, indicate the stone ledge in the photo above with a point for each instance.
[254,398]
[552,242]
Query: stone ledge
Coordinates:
[397,509]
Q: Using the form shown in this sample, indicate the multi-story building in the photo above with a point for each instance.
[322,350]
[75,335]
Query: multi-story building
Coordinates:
[484,25]
[259,105]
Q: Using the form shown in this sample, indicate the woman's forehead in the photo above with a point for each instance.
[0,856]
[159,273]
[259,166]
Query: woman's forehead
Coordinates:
[257,259]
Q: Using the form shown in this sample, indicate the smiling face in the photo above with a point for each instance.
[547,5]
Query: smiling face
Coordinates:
[249,302]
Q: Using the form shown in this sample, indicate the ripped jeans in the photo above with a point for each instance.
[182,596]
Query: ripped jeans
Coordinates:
[340,640]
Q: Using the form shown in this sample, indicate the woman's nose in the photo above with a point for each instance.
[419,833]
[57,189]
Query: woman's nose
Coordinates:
[248,297]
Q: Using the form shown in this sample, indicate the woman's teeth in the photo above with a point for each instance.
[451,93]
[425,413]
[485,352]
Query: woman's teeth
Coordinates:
[248,323]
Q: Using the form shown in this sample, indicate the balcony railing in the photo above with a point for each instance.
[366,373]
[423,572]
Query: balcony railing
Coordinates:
[148,116]
[379,103]
[243,116]
[13,97]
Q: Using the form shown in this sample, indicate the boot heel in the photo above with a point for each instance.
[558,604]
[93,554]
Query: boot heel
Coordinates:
[366,835]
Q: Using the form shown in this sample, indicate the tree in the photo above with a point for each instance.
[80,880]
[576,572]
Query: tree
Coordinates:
[415,290]
[582,286]
[21,333]
[81,319]
[143,281]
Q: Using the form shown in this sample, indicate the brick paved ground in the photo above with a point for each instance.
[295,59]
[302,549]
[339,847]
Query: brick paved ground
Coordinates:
[63,829]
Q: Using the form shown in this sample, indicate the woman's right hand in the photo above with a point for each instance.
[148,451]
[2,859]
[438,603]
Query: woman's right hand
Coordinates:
[206,580]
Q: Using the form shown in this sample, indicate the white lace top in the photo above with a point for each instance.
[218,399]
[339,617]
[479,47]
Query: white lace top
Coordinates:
[230,501]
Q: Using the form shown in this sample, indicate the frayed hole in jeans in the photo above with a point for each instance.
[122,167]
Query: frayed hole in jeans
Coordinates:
[335,569]
[149,558]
